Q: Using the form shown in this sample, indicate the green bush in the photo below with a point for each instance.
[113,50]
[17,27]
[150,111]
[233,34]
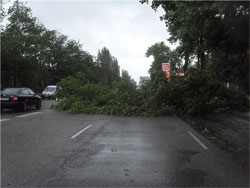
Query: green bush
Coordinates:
[195,94]
[200,93]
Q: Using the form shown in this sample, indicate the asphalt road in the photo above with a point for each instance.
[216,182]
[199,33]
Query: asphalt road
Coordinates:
[46,148]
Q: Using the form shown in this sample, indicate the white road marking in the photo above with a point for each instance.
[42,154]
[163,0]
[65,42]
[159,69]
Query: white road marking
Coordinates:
[197,140]
[2,120]
[30,114]
[81,131]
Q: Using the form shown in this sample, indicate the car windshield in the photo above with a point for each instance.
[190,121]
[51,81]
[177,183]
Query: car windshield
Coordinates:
[50,89]
[10,91]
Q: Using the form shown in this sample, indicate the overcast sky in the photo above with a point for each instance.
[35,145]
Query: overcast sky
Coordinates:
[126,28]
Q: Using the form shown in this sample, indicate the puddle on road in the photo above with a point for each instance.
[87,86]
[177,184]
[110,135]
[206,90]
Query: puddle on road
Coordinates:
[188,178]
[185,155]
[118,122]
[165,128]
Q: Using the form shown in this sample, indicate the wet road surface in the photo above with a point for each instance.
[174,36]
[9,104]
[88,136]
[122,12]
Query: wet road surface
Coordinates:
[56,149]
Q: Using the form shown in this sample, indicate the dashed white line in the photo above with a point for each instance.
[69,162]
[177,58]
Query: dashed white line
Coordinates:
[30,114]
[74,136]
[197,140]
[2,120]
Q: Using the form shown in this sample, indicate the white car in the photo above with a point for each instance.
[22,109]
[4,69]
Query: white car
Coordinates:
[49,92]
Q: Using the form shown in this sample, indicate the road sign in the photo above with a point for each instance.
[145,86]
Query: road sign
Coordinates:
[165,67]
[180,74]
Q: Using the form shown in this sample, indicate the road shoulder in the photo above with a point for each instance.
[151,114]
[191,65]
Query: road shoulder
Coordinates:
[230,133]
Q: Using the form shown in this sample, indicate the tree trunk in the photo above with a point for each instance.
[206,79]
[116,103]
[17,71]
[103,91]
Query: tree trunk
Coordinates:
[16,77]
[202,61]
[198,62]
[185,66]
[202,55]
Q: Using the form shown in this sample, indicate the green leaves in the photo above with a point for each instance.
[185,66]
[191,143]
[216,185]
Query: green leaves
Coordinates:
[162,54]
[33,56]
[110,70]
[211,35]
[196,94]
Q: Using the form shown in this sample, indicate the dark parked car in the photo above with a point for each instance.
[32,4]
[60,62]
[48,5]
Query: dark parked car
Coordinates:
[19,99]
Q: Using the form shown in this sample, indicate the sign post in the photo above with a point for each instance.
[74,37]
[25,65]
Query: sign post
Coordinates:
[166,68]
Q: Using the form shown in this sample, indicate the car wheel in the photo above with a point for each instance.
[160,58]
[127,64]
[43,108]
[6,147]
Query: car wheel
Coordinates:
[42,97]
[25,108]
[38,106]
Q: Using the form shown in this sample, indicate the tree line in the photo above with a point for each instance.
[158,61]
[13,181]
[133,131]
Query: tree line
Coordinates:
[211,35]
[34,56]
